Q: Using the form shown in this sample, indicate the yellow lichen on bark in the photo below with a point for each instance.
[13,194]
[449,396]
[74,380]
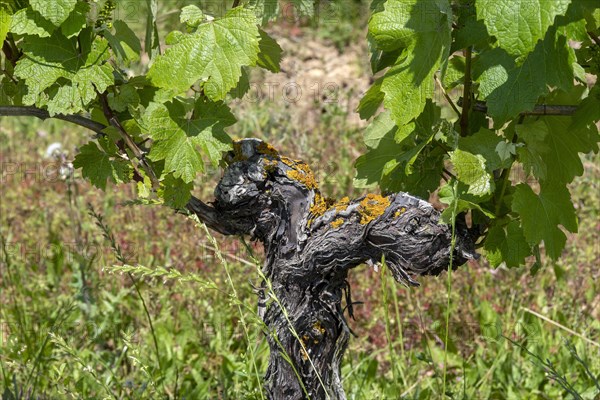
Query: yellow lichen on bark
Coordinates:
[300,172]
[319,205]
[304,339]
[342,204]
[400,212]
[262,148]
[303,178]
[270,165]
[372,206]
[337,223]
[268,150]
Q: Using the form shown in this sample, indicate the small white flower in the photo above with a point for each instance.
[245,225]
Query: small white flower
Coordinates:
[53,150]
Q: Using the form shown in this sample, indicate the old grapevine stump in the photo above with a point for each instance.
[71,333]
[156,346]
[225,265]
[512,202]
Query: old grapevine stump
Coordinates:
[311,243]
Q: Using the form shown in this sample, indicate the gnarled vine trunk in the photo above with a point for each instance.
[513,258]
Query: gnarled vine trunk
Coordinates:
[311,243]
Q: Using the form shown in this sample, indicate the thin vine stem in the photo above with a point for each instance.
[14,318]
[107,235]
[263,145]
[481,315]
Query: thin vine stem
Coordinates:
[449,288]
[595,38]
[130,143]
[29,111]
[466,106]
[447,96]
[388,334]
[539,109]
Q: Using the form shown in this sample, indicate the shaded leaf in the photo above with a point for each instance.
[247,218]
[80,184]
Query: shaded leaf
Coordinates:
[99,166]
[175,192]
[124,43]
[542,214]
[510,89]
[76,21]
[507,244]
[55,11]
[269,55]
[371,101]
[485,142]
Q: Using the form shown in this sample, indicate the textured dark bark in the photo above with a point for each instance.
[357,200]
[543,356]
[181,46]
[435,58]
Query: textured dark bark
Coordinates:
[311,243]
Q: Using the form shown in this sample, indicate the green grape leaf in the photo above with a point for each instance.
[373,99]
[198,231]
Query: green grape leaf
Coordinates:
[11,93]
[396,158]
[28,22]
[76,21]
[519,24]
[152,42]
[471,170]
[472,33]
[563,160]
[178,138]
[455,73]
[64,73]
[126,95]
[242,87]
[214,54]
[542,214]
[506,150]
[174,37]
[124,43]
[371,101]
[265,10]
[423,29]
[381,59]
[381,126]
[506,244]
[486,143]
[175,192]
[551,150]
[420,176]
[269,56]
[456,197]
[144,188]
[65,99]
[584,121]
[531,154]
[510,89]
[192,16]
[5,22]
[55,11]
[377,6]
[99,166]
[379,137]
[415,136]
